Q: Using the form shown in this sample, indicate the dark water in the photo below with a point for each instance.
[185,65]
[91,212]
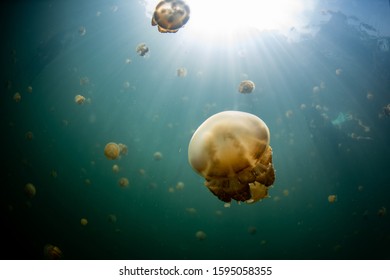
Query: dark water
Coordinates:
[315,155]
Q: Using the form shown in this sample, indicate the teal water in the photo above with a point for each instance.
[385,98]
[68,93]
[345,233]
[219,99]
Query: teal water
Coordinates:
[298,94]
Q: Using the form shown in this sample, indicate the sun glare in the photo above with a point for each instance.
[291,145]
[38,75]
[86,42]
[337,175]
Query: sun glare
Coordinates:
[229,16]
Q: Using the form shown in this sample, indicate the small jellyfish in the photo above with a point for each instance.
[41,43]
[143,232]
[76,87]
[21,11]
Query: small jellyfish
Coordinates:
[83,221]
[231,151]
[112,218]
[218,213]
[191,210]
[53,173]
[87,182]
[29,89]
[123,182]
[52,252]
[246,86]
[82,30]
[252,230]
[123,149]
[339,71]
[112,150]
[17,97]
[84,81]
[157,156]
[180,185]
[386,110]
[316,89]
[289,114]
[79,99]
[142,49]
[126,85]
[181,72]
[115,168]
[370,95]
[332,198]
[29,135]
[382,211]
[286,192]
[30,190]
[170,15]
[200,235]
[128,60]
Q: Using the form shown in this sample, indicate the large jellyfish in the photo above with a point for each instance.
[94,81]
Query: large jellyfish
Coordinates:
[170,15]
[231,151]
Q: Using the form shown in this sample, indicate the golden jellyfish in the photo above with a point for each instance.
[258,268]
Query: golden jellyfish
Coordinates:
[252,230]
[112,150]
[142,49]
[30,190]
[87,182]
[52,252]
[231,151]
[382,211]
[170,15]
[112,218]
[200,235]
[332,198]
[84,222]
[79,99]
[17,97]
[246,86]
[115,168]
[123,182]
[29,135]
[181,72]
[123,149]
[180,185]
[158,156]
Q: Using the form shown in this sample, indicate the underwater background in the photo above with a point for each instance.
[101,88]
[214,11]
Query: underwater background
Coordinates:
[321,89]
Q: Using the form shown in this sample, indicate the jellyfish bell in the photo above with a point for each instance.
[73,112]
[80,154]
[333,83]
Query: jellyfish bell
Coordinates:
[246,86]
[30,190]
[200,235]
[112,150]
[52,252]
[83,221]
[170,15]
[231,151]
[79,99]
[142,49]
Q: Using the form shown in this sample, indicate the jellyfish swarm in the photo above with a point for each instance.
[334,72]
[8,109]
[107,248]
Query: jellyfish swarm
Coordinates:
[231,151]
[170,15]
